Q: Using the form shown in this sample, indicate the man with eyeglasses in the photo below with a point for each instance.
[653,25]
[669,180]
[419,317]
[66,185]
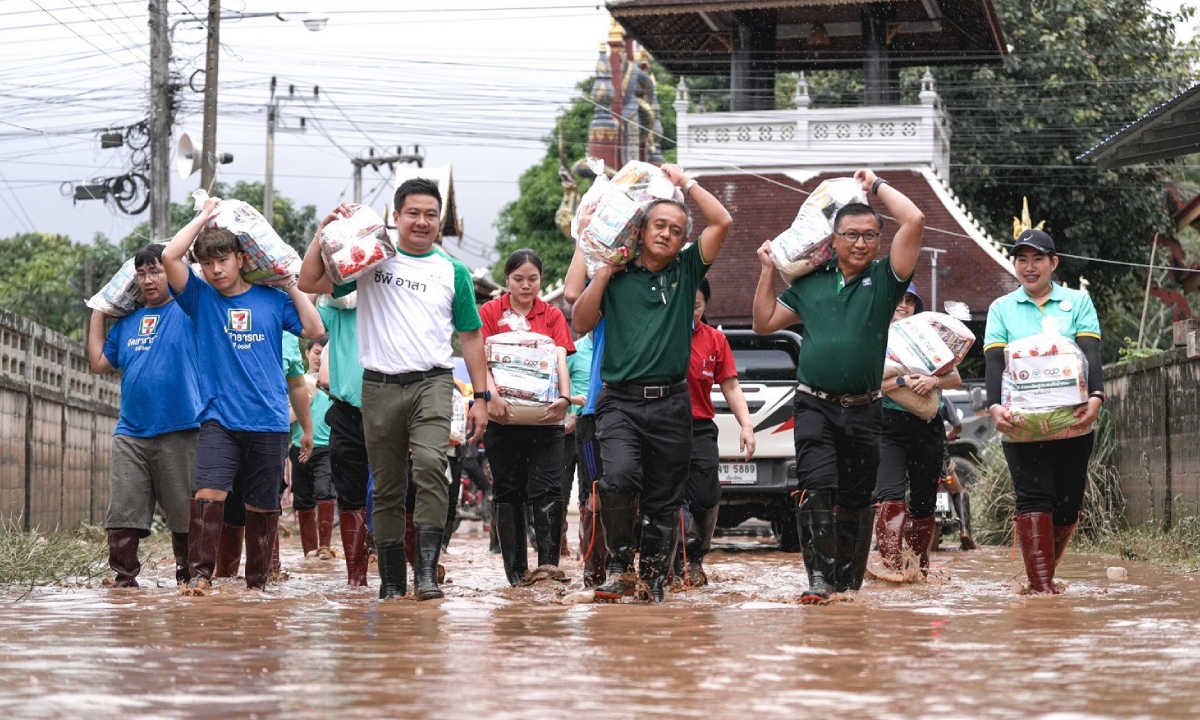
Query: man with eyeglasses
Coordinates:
[153,458]
[846,307]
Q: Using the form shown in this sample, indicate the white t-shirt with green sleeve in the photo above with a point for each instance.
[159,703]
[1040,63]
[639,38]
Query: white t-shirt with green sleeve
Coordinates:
[408,306]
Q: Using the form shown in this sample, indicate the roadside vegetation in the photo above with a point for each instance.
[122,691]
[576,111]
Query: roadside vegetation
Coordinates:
[30,559]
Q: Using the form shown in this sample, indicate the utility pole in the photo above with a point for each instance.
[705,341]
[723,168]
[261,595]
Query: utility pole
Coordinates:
[272,126]
[416,156]
[933,274]
[160,123]
[208,166]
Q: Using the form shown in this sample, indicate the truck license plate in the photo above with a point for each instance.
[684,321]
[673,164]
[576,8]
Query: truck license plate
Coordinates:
[738,473]
[943,502]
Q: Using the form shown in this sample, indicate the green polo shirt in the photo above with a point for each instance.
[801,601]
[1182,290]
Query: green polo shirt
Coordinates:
[1014,316]
[845,326]
[579,364]
[293,367]
[345,369]
[648,321]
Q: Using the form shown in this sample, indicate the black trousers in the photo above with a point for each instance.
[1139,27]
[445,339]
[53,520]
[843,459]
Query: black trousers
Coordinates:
[911,452]
[526,462]
[704,483]
[589,466]
[347,455]
[646,448]
[568,471]
[1050,476]
[837,448]
[311,481]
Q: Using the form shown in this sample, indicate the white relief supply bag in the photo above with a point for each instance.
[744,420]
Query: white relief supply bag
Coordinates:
[807,243]
[929,343]
[350,246]
[458,418]
[618,205]
[268,257]
[121,295]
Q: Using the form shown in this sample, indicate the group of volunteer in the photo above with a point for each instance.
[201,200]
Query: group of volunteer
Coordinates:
[619,395]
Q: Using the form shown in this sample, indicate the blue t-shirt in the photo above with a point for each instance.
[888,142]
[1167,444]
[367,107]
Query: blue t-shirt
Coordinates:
[594,382]
[155,348]
[239,343]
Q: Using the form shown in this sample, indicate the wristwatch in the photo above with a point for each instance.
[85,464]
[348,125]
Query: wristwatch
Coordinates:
[687,188]
[485,396]
[875,185]
[899,381]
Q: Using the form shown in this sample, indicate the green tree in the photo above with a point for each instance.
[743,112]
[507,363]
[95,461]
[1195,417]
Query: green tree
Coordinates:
[39,280]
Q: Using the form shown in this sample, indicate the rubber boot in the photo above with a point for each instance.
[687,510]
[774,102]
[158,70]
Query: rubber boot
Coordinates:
[123,556]
[565,549]
[962,505]
[659,539]
[204,535]
[618,515]
[1062,536]
[889,530]
[1036,534]
[529,531]
[510,526]
[229,551]
[179,546]
[326,509]
[262,538]
[410,539]
[591,546]
[354,546]
[854,529]
[818,545]
[393,572]
[275,572]
[429,546]
[548,517]
[699,543]
[307,519]
[918,536]
[493,531]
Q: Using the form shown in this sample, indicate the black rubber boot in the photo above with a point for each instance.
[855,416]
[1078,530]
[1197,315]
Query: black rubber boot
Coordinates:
[429,547]
[699,542]
[618,515]
[529,525]
[659,538]
[854,530]
[123,556]
[548,516]
[179,546]
[393,570]
[510,526]
[962,505]
[262,532]
[818,543]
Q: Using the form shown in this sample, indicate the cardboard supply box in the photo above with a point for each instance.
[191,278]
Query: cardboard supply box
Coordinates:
[524,366]
[1045,380]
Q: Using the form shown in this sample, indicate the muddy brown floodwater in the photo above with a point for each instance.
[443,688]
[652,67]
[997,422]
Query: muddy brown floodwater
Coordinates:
[963,646]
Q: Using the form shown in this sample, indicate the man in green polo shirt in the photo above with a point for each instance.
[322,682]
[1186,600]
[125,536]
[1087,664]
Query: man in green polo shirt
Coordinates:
[846,308]
[643,413]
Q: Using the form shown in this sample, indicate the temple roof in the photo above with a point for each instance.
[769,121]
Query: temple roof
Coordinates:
[693,36]
[1168,131]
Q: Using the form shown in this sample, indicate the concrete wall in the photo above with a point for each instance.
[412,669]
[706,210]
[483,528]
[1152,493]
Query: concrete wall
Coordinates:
[56,425]
[1155,405]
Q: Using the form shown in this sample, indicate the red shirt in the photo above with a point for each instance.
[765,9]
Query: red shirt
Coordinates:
[543,318]
[711,363]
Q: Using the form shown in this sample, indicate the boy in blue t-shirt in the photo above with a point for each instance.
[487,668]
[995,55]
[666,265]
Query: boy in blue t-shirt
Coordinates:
[244,400]
[154,445]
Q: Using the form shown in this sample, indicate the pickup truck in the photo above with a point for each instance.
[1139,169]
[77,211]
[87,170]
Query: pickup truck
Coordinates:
[762,488]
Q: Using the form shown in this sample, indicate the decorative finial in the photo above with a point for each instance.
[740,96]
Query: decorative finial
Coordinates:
[643,57]
[1023,223]
[681,103]
[616,33]
[928,95]
[802,100]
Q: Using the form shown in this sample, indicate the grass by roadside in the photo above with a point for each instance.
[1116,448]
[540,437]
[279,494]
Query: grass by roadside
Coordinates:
[32,559]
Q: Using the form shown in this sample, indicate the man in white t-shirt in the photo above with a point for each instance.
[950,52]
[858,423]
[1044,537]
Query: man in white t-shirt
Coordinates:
[408,306]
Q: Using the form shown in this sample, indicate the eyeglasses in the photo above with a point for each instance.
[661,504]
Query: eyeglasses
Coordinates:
[853,237]
[143,274]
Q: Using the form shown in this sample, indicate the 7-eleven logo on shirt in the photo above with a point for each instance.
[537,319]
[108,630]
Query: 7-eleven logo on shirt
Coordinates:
[149,325]
[239,320]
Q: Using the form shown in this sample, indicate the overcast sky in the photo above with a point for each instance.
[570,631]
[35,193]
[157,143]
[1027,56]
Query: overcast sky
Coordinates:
[476,83]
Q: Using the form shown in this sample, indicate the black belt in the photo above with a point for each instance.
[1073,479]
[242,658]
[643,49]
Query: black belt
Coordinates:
[846,401]
[647,392]
[406,378]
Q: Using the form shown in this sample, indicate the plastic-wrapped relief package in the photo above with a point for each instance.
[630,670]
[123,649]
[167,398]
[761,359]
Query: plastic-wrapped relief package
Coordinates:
[458,418]
[807,244]
[352,245]
[617,206]
[1045,380]
[121,295]
[923,406]
[268,256]
[525,368]
[929,343]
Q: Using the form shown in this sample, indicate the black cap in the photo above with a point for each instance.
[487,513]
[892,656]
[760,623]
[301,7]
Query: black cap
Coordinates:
[1035,239]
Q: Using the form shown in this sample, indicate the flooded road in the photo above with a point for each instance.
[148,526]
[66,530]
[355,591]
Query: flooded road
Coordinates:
[963,646]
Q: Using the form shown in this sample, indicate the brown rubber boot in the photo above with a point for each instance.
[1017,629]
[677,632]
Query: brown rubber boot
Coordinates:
[179,546]
[354,544]
[889,529]
[918,536]
[325,513]
[123,556]
[276,573]
[307,519]
[565,550]
[1062,536]
[1036,533]
[204,535]
[262,537]
[229,551]
[591,546]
